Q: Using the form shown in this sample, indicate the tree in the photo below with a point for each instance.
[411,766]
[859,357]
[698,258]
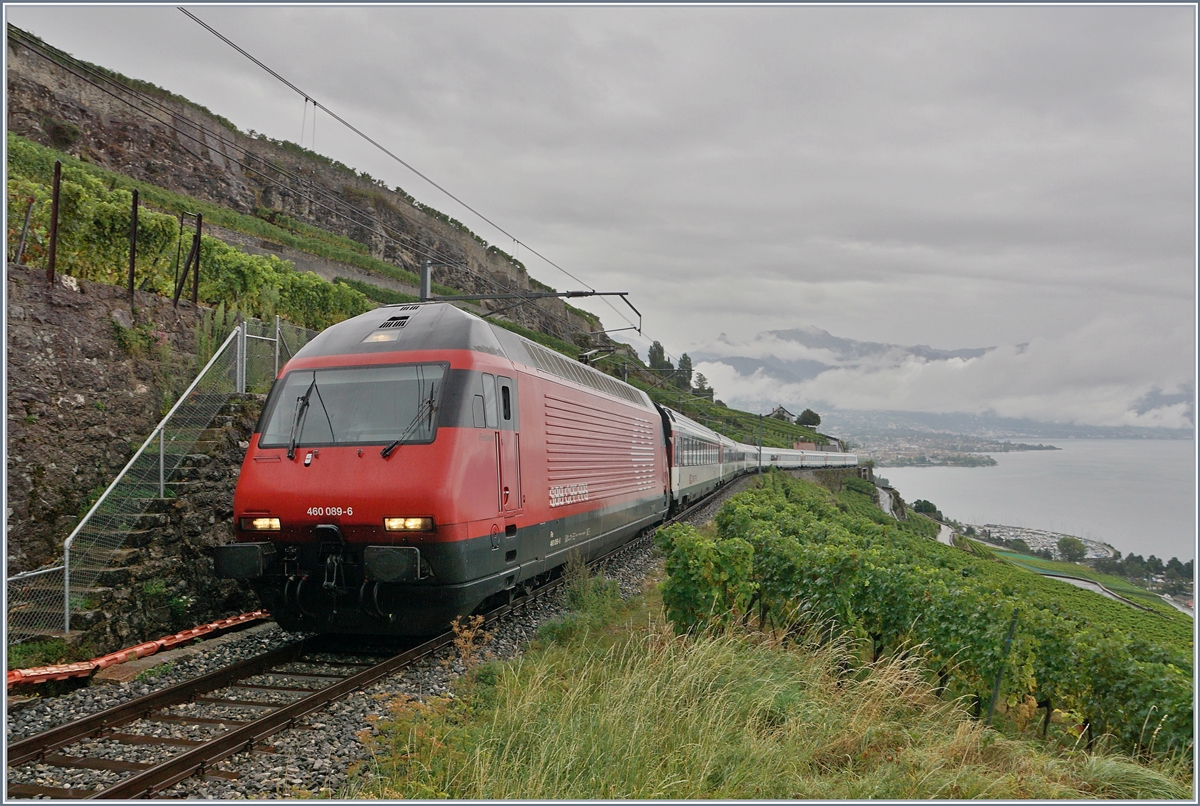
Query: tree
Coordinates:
[923,506]
[657,357]
[683,378]
[702,384]
[809,417]
[1072,549]
[1020,545]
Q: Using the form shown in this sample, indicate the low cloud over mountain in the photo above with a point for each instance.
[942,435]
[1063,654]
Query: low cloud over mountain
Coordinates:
[1099,375]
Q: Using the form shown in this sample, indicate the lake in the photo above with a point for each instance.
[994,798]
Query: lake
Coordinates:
[1137,495]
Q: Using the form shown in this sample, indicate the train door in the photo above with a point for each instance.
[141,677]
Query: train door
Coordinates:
[508,440]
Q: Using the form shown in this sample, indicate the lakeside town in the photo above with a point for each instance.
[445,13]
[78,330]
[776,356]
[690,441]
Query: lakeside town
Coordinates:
[914,449]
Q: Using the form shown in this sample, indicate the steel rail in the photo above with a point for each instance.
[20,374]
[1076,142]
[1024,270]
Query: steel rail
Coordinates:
[197,760]
[247,735]
[40,744]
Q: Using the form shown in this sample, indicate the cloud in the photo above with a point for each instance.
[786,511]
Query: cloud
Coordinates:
[1103,374]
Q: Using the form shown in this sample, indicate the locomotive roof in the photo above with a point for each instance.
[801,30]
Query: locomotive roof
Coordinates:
[417,326]
[441,326]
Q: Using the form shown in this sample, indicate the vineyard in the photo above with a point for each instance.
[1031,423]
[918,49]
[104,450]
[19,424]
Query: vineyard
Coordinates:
[93,244]
[790,553]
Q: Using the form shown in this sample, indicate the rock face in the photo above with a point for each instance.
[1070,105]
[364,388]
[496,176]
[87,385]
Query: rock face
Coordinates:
[89,377]
[79,401]
[166,141]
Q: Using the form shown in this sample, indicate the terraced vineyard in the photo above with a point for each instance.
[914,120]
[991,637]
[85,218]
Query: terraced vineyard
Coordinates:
[791,553]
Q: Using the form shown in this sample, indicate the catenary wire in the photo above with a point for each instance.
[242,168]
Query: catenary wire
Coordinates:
[364,136]
[347,211]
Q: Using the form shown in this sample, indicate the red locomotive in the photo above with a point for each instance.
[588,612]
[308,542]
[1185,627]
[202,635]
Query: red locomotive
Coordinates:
[416,461]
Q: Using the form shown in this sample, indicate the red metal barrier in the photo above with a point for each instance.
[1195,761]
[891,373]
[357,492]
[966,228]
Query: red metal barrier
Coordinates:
[63,671]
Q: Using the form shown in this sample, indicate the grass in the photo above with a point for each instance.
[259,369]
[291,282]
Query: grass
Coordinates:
[609,703]
[47,652]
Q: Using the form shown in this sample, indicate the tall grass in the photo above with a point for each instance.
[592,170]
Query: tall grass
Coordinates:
[729,717]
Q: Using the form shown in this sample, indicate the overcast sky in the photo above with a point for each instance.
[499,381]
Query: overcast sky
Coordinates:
[950,176]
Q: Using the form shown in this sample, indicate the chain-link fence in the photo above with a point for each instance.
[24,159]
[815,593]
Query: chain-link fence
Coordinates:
[41,602]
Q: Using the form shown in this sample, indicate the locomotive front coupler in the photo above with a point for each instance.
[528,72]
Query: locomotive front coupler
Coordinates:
[333,555]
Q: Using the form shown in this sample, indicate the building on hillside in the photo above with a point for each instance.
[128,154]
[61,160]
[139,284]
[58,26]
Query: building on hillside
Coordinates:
[780,413]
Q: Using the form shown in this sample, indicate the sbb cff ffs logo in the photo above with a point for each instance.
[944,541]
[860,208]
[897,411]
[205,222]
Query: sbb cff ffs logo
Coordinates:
[568,494]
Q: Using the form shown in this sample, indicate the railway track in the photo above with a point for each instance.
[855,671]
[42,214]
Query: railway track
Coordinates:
[230,711]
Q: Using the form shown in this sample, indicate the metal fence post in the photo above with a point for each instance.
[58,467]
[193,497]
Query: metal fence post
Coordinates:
[241,358]
[24,231]
[196,247]
[54,221]
[277,338]
[132,244]
[67,589]
[162,449]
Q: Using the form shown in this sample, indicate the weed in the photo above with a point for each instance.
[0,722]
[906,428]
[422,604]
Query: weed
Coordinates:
[469,640]
[37,653]
[30,419]
[154,671]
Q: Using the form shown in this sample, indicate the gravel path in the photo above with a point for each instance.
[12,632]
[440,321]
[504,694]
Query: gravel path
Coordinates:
[318,756]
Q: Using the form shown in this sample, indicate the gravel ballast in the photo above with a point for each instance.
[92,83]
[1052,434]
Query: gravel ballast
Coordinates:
[319,755]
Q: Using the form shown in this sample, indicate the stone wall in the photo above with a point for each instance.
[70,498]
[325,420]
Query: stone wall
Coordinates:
[80,402]
[82,397]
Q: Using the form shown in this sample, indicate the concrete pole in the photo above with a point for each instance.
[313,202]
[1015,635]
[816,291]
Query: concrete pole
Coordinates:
[426,283]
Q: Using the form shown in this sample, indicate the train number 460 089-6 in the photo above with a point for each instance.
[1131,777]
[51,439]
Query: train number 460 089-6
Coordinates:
[330,511]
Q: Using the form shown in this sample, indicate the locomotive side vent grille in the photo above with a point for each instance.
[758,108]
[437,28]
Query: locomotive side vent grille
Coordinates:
[555,364]
[395,321]
[404,307]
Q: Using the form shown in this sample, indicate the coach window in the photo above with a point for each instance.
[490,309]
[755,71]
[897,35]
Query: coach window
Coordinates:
[489,400]
[477,412]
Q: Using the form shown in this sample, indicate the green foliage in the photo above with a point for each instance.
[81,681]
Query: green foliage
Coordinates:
[709,581]
[1072,549]
[654,716]
[811,555]
[94,245]
[861,486]
[377,294]
[63,134]
[683,378]
[924,507]
[33,162]
[591,602]
[45,652]
[808,417]
[656,358]
[157,670]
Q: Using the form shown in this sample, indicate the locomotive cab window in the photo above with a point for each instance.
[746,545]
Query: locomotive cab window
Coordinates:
[354,406]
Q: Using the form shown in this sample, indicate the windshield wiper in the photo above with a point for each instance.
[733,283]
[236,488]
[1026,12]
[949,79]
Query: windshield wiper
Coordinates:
[301,410]
[425,407]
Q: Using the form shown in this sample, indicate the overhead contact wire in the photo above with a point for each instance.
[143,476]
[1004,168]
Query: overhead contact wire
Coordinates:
[373,142]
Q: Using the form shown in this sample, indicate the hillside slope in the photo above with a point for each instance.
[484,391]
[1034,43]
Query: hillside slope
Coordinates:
[146,133]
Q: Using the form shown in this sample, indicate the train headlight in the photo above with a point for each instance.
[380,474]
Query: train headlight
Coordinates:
[260,524]
[408,524]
